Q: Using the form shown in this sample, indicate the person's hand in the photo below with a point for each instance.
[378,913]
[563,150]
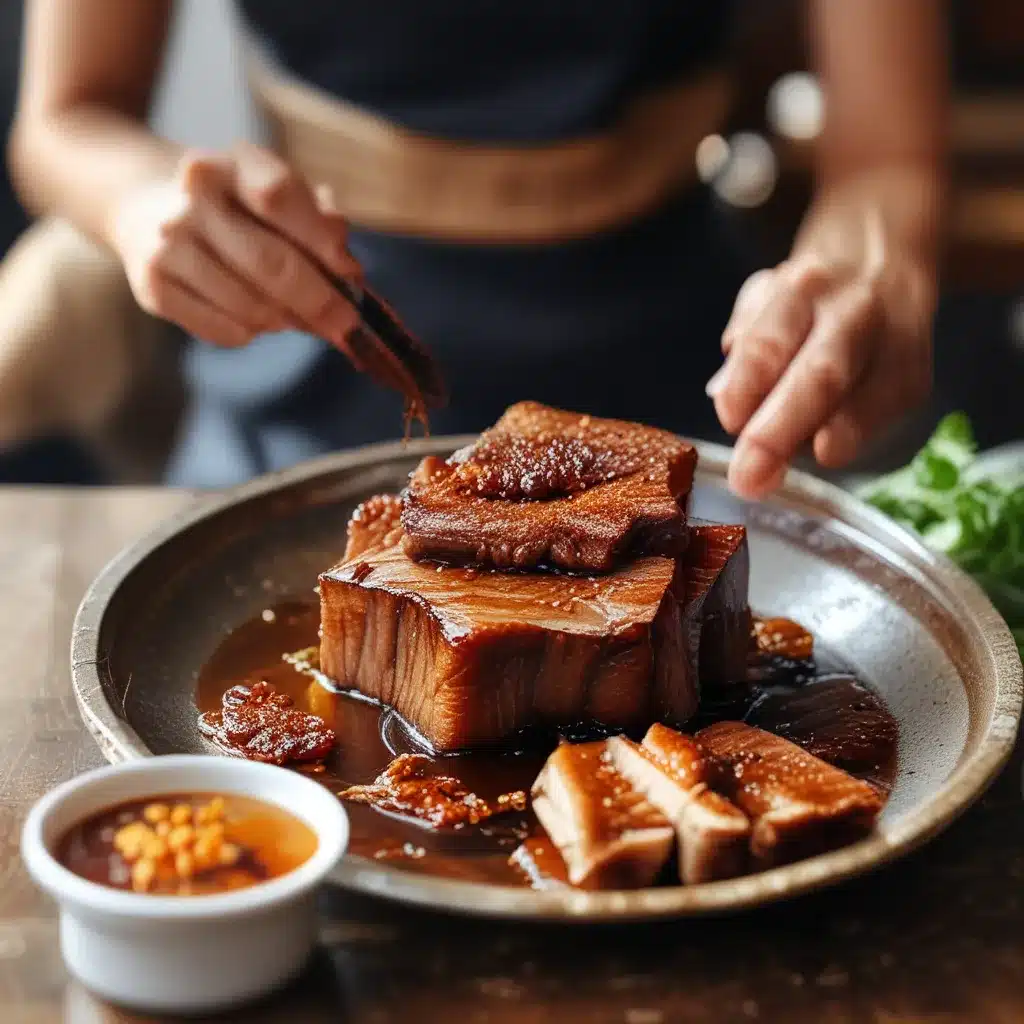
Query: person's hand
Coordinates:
[824,351]
[232,247]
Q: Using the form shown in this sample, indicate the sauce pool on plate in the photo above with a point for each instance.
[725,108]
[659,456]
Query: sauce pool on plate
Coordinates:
[791,689]
[187,844]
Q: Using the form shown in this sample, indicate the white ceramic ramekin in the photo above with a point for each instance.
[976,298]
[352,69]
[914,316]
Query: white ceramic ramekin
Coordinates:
[179,954]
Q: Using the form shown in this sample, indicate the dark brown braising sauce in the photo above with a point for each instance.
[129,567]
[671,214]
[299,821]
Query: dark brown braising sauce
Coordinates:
[828,712]
[190,844]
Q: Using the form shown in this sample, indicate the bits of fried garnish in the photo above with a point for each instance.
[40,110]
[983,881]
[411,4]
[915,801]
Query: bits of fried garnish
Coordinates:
[128,841]
[181,815]
[131,852]
[180,837]
[406,787]
[783,637]
[155,848]
[155,813]
[130,833]
[515,801]
[173,844]
[210,813]
[143,873]
[184,864]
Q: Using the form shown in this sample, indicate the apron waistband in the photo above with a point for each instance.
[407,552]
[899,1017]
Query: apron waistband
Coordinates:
[387,178]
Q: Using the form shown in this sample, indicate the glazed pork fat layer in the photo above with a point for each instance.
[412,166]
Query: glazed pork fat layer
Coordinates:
[609,835]
[544,486]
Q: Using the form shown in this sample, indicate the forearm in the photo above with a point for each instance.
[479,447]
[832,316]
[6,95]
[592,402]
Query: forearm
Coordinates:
[881,159]
[79,162]
[80,141]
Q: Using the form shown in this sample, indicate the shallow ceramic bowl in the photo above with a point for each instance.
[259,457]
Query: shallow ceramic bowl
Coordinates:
[184,954]
[907,621]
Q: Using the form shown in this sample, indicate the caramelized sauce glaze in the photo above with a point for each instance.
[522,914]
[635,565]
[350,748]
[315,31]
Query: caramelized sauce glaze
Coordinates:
[529,468]
[831,714]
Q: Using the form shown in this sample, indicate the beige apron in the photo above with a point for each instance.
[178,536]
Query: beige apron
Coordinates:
[387,178]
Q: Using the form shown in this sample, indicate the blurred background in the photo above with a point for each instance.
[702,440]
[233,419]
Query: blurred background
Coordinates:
[760,168]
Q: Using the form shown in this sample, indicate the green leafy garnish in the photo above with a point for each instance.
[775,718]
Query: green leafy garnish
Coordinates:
[978,522]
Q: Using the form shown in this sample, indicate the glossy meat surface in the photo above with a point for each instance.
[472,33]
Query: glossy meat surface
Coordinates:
[548,487]
[674,774]
[799,804]
[609,835]
[717,573]
[469,656]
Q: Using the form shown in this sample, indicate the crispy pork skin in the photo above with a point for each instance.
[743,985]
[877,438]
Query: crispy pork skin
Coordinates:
[469,657]
[609,835]
[408,788]
[717,574]
[375,525]
[799,805]
[548,487]
[258,723]
[712,834]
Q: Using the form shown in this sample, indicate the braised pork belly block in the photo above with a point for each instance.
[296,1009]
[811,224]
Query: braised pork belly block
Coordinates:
[548,487]
[609,835]
[469,657]
[676,775]
[717,575]
[799,805]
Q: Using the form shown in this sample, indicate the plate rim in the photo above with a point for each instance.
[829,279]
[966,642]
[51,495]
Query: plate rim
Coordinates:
[965,784]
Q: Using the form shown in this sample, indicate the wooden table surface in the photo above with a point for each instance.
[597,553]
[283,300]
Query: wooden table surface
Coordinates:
[936,938]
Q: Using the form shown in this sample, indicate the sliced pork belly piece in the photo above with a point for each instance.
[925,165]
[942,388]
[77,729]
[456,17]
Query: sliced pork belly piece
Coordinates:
[717,574]
[799,805]
[712,834]
[609,835]
[539,860]
[548,487]
[470,657]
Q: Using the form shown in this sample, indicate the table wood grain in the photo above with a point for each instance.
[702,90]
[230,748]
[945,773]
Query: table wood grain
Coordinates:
[937,938]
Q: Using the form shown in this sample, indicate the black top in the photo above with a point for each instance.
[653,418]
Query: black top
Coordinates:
[492,70]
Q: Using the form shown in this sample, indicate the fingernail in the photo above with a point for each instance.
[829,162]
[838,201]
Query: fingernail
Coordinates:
[325,198]
[754,471]
[717,381]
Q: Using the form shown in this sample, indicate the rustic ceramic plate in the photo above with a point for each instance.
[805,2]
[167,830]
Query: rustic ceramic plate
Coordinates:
[907,621]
